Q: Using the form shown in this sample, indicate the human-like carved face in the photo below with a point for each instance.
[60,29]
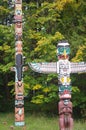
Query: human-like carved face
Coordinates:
[63,50]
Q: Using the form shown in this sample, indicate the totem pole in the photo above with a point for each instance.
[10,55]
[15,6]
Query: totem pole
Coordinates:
[63,67]
[19,65]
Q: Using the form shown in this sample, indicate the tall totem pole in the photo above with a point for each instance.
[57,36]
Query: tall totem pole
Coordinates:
[19,65]
[63,67]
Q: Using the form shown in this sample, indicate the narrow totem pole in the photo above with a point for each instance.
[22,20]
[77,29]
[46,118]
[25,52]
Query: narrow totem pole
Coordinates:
[63,68]
[19,65]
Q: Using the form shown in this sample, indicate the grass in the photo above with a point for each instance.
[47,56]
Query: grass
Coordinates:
[35,122]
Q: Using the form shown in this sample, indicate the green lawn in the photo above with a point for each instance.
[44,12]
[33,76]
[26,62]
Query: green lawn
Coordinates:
[34,122]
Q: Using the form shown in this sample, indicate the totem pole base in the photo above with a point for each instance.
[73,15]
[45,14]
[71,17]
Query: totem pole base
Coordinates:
[19,123]
[65,114]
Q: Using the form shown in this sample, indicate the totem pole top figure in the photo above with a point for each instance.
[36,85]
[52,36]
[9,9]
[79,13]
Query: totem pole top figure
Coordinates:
[63,50]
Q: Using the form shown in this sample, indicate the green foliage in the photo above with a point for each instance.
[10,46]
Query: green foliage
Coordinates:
[81,54]
[49,94]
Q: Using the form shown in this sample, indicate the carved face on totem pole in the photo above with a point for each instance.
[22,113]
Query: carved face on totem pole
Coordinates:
[63,50]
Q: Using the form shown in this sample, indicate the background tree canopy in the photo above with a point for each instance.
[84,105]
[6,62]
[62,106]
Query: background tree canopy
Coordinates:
[45,23]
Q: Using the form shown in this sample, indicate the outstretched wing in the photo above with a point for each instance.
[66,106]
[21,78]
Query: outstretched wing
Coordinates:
[45,68]
[78,67]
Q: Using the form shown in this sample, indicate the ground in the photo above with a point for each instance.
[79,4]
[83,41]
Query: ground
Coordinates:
[35,122]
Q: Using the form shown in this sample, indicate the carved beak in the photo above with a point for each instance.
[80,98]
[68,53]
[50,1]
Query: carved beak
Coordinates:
[65,54]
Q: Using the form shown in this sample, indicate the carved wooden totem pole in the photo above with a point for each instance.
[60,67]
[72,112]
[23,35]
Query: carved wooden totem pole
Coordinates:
[63,67]
[19,65]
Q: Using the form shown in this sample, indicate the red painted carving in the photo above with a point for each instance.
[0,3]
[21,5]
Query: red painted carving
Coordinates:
[65,114]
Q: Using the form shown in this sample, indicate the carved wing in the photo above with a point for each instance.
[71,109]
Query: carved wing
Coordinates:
[45,68]
[78,67]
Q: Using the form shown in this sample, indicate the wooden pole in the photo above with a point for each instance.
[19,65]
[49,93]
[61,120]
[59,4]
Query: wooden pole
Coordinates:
[19,88]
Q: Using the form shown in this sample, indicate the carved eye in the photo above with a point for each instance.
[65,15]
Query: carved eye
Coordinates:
[61,49]
[61,66]
[68,50]
[18,12]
